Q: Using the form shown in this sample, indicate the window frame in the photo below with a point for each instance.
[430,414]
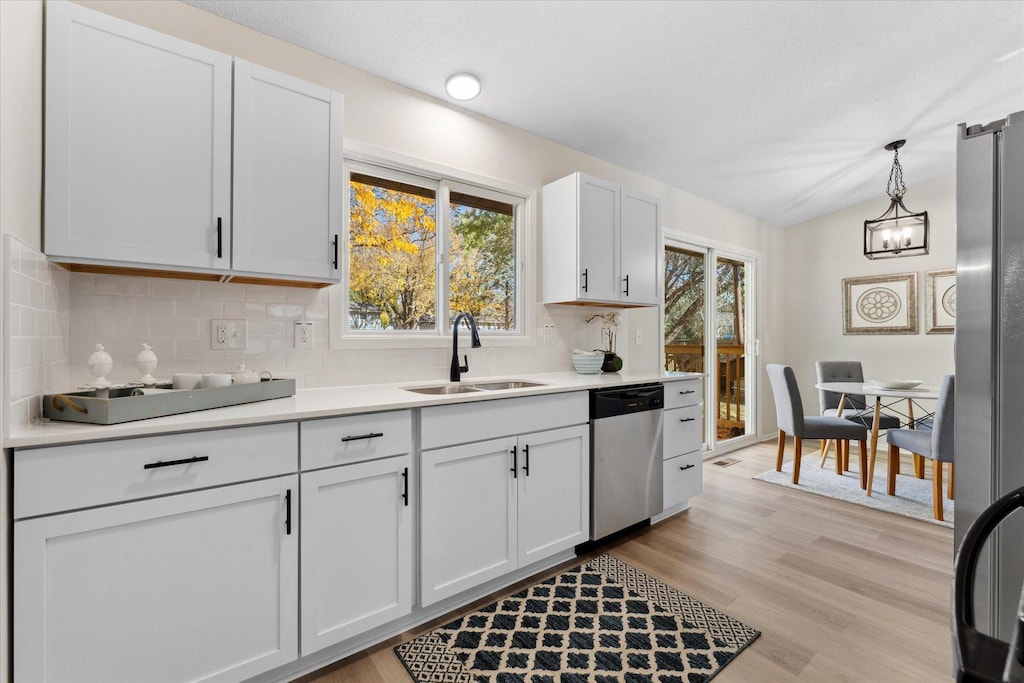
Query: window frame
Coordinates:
[443,180]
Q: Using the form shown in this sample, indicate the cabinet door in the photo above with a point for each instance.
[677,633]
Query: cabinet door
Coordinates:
[288,198]
[467,499]
[356,549]
[640,246]
[138,144]
[554,492]
[197,586]
[598,218]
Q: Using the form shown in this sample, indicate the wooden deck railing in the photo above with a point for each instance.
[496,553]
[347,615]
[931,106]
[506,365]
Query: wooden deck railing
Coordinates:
[730,377]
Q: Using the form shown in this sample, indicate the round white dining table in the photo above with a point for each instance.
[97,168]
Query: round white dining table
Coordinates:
[844,389]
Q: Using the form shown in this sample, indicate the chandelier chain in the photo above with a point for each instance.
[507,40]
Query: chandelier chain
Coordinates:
[895,187]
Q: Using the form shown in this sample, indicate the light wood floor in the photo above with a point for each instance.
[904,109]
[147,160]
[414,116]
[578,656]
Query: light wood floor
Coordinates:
[840,592]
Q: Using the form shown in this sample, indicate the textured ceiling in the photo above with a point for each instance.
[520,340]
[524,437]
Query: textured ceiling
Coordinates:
[777,109]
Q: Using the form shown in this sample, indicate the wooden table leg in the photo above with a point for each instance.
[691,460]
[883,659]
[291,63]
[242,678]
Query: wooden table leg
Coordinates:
[826,445]
[874,442]
[863,451]
[910,413]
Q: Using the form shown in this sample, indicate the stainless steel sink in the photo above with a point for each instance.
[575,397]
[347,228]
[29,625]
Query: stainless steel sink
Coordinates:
[449,389]
[446,389]
[511,384]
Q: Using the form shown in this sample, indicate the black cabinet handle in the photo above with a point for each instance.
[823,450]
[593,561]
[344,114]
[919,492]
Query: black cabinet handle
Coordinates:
[585,279]
[626,292]
[371,435]
[526,452]
[288,512]
[515,462]
[335,252]
[688,391]
[686,467]
[405,486]
[687,419]
[171,463]
[220,238]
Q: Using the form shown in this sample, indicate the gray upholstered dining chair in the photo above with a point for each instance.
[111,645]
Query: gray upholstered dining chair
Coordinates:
[855,408]
[935,444]
[789,410]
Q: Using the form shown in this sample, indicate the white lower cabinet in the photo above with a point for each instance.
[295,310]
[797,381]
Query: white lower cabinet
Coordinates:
[357,549]
[197,586]
[491,507]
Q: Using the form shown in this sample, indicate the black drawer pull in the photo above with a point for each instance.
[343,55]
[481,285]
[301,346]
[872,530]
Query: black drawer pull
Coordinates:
[626,292]
[526,452]
[371,435]
[688,391]
[687,419]
[220,235]
[335,252]
[172,463]
[288,512]
[585,279]
[405,486]
[686,467]
[515,462]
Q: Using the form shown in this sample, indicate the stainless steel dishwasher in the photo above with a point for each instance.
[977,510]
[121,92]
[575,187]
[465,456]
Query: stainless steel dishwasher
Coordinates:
[625,456]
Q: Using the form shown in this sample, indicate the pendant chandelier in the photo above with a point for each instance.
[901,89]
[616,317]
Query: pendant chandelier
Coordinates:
[898,231]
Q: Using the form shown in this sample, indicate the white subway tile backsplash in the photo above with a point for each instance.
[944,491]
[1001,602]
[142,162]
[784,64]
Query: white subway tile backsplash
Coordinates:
[269,293]
[120,284]
[184,289]
[198,308]
[249,310]
[287,311]
[183,328]
[222,291]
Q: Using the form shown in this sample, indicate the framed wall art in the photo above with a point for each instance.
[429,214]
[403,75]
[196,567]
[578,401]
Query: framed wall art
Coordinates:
[880,304]
[940,302]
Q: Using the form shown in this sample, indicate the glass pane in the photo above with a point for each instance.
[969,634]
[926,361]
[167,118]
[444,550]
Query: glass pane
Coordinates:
[730,378]
[684,312]
[392,254]
[482,261]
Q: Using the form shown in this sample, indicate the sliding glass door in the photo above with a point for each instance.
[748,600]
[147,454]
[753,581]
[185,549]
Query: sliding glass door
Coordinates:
[707,326]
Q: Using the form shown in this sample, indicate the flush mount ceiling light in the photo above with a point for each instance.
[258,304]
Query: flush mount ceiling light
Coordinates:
[462,86]
[894,234]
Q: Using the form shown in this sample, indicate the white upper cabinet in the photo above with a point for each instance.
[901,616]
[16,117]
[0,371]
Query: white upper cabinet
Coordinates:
[147,166]
[287,175]
[601,244]
[138,145]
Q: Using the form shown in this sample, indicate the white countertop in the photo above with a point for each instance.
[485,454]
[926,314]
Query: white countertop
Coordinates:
[314,403]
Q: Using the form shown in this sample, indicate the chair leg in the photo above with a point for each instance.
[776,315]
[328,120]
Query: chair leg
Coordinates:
[937,488]
[949,492]
[919,466]
[796,459]
[839,456]
[894,468]
[863,450]
[782,450]
[846,455]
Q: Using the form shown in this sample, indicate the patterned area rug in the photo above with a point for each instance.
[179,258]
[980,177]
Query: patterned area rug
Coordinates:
[913,496]
[600,622]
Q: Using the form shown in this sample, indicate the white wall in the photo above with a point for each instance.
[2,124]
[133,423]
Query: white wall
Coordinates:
[823,251]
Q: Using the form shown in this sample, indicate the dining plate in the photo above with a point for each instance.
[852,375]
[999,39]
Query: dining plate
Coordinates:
[895,384]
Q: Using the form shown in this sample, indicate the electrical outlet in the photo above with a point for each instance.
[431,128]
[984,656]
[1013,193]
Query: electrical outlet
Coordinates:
[547,335]
[303,334]
[228,334]
[639,337]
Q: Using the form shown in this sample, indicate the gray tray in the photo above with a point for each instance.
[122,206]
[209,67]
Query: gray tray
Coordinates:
[122,406]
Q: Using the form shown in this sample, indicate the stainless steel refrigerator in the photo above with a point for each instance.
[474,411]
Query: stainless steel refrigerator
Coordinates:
[989,345]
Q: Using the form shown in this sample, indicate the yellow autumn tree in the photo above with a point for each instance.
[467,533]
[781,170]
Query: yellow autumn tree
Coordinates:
[392,252]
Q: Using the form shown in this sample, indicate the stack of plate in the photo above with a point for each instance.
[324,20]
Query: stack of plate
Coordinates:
[587,362]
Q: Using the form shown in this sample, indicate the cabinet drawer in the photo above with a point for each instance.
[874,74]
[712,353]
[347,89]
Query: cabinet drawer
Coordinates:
[683,393]
[682,430]
[48,480]
[468,422]
[355,438]
[684,478]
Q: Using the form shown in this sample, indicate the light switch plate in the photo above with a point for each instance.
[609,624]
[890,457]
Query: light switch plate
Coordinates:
[228,334]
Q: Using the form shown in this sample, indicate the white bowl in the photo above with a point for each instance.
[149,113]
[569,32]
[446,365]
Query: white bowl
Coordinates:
[588,363]
[895,384]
